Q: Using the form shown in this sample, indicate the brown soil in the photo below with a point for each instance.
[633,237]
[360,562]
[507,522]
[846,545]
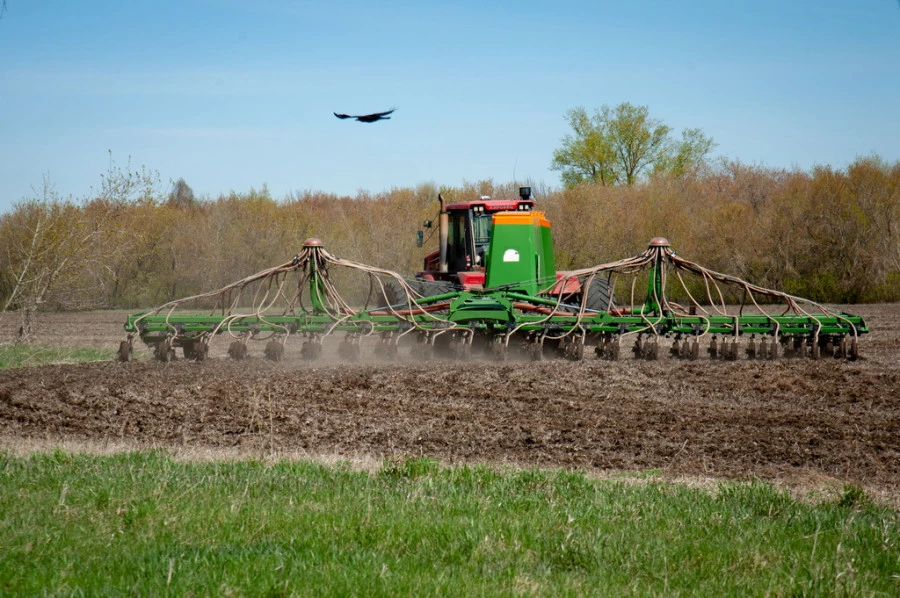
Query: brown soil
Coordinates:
[802,423]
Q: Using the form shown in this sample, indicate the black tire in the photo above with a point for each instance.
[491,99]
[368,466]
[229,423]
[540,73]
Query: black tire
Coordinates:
[430,288]
[394,294]
[598,295]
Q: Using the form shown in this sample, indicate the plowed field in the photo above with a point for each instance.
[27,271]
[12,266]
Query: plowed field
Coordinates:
[801,423]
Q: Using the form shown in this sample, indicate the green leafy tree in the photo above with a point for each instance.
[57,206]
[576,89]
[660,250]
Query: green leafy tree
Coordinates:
[617,145]
[687,155]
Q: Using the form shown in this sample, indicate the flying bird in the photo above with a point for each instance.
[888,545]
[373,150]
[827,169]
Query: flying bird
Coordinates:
[367,118]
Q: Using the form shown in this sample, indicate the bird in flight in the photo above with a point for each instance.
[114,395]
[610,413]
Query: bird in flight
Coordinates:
[367,118]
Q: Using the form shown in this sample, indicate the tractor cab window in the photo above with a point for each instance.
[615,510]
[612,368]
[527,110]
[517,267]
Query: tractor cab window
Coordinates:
[481,229]
[481,224]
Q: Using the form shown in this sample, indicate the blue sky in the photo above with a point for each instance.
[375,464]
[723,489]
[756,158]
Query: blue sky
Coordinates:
[234,95]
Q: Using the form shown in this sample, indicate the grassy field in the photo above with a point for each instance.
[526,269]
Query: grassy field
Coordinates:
[146,524]
[19,356]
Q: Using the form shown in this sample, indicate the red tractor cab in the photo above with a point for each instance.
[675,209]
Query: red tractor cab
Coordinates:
[464,231]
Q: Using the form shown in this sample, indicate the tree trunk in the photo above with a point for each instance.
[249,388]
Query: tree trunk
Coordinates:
[24,335]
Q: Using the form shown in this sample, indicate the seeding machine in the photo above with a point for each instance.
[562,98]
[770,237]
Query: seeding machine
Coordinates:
[491,290]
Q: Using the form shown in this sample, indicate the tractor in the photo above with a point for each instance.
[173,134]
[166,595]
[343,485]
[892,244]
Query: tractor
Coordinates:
[491,290]
[464,236]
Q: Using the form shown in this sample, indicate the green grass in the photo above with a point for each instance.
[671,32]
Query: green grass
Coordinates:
[20,356]
[145,524]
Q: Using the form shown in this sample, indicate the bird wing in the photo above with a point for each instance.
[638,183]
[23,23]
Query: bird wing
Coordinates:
[368,118]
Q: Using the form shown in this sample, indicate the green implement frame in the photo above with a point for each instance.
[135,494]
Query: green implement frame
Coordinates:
[552,316]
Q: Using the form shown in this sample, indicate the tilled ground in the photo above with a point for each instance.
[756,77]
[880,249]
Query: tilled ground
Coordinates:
[806,423]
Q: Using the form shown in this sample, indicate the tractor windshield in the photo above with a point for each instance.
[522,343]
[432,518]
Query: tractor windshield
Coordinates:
[481,224]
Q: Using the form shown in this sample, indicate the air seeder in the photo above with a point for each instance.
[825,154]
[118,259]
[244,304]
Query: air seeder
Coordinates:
[491,290]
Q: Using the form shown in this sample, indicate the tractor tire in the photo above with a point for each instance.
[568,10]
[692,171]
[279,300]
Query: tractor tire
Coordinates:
[598,295]
[394,294]
[430,288]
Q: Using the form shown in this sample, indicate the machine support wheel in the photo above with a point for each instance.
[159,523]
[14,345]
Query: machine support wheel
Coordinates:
[201,350]
[312,349]
[163,351]
[500,350]
[274,350]
[187,349]
[195,349]
[126,351]
[574,348]
[238,350]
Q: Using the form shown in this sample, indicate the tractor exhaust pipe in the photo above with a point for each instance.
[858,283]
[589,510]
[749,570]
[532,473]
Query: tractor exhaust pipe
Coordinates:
[443,234]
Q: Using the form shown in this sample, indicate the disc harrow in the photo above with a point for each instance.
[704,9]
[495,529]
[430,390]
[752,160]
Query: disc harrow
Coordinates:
[659,306]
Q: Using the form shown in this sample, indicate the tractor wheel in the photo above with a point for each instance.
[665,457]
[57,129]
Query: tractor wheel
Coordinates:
[394,294]
[430,288]
[598,295]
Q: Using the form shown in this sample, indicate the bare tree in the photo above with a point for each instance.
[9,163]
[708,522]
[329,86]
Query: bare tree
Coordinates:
[45,239]
[59,250]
